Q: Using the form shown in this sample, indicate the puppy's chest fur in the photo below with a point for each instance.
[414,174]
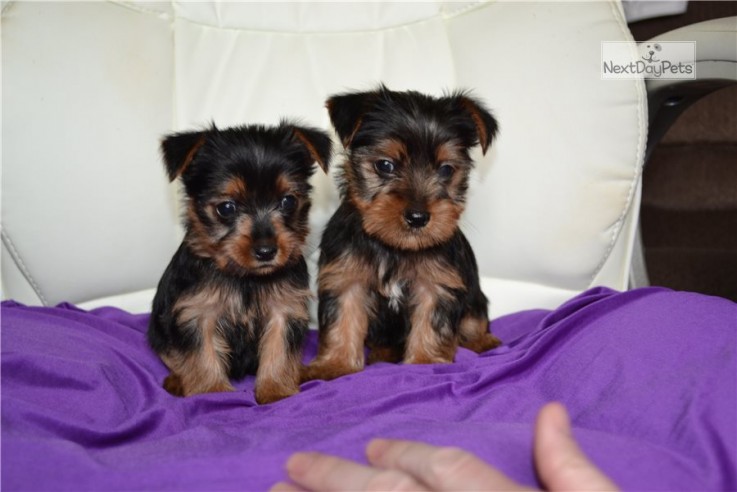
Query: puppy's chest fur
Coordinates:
[200,308]
[244,305]
[232,321]
[401,280]
[218,306]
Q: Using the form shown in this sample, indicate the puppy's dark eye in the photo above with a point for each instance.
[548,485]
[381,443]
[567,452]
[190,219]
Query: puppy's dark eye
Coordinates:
[384,166]
[446,171]
[226,210]
[288,203]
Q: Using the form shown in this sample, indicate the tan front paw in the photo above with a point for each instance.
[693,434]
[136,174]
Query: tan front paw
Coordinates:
[425,358]
[481,344]
[326,370]
[173,384]
[182,386]
[271,391]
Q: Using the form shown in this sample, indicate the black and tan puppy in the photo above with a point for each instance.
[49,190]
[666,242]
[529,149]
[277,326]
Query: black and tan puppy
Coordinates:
[396,273]
[234,298]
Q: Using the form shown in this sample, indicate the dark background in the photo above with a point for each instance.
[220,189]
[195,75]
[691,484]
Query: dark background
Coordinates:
[689,195]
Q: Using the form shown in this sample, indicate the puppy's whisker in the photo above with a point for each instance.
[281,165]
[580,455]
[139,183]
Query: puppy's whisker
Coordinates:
[467,225]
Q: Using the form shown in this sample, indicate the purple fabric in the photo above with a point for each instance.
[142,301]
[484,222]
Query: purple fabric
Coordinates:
[649,378]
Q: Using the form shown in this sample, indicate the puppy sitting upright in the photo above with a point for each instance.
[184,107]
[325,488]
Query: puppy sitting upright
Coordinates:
[396,273]
[234,298]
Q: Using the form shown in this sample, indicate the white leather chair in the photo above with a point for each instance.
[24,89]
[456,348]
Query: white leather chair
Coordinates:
[89,88]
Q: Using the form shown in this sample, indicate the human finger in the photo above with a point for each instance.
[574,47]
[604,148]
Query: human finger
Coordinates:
[285,487]
[560,462]
[440,468]
[320,472]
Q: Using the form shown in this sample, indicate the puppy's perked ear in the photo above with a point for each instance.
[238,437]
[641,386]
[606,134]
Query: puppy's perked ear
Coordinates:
[346,111]
[179,149]
[317,143]
[485,124]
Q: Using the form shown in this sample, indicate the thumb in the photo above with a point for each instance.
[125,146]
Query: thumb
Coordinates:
[560,462]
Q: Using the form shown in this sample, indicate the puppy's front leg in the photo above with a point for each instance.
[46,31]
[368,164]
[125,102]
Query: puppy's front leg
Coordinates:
[193,377]
[203,368]
[474,334]
[473,331]
[279,358]
[344,321]
[432,337]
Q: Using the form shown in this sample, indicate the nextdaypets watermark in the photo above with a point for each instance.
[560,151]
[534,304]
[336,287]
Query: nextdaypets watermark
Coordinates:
[649,60]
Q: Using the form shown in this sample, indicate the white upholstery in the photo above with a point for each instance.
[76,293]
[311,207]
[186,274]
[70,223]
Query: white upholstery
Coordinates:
[89,88]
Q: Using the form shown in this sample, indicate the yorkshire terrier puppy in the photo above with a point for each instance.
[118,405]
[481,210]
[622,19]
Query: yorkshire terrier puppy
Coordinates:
[395,272]
[234,298]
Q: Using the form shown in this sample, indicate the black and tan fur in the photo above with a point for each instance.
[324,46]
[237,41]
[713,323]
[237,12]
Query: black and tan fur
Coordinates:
[396,274]
[234,299]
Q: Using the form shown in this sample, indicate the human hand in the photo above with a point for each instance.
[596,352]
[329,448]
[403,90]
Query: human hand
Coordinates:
[407,465]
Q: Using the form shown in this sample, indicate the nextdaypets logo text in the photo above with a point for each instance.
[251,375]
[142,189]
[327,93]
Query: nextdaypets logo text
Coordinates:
[649,60]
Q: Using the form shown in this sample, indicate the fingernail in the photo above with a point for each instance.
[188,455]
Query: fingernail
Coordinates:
[376,448]
[299,463]
[564,421]
[281,487]
[554,417]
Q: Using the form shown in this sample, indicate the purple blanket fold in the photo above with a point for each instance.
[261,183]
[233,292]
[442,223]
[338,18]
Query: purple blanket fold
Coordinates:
[649,377]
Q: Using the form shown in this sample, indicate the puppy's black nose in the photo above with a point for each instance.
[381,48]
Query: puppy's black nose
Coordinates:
[264,252]
[416,218]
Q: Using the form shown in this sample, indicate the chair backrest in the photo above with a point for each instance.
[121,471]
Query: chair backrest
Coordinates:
[89,88]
